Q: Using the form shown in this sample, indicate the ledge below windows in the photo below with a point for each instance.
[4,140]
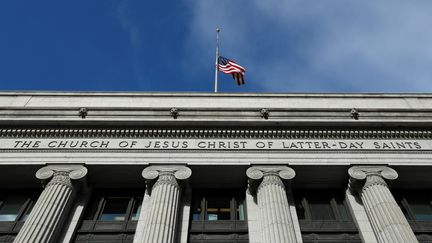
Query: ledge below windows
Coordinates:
[223,226]
[10,227]
[93,226]
[327,226]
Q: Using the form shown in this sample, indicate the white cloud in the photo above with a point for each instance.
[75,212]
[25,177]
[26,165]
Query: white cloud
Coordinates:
[332,45]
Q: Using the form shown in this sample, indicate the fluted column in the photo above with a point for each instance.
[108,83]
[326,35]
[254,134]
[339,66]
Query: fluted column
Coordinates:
[386,217]
[276,220]
[45,219]
[161,221]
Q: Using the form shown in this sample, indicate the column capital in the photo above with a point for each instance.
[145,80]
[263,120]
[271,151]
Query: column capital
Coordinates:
[258,172]
[75,172]
[370,175]
[270,175]
[361,172]
[61,174]
[180,172]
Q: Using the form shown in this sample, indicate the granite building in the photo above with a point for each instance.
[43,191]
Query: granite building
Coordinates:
[195,167]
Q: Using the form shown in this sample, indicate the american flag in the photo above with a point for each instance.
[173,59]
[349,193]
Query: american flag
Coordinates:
[228,66]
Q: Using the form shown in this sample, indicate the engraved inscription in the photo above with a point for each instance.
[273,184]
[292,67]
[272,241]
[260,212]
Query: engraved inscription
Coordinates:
[216,144]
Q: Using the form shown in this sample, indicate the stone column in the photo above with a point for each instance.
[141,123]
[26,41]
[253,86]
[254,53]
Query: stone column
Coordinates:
[388,222]
[160,224]
[276,219]
[45,220]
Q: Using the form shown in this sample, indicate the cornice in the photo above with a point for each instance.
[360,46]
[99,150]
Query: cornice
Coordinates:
[215,133]
[201,94]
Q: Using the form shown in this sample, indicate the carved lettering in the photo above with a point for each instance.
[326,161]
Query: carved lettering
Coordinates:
[216,144]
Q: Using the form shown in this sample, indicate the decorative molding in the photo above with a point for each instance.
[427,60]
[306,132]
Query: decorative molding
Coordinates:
[265,113]
[271,179]
[354,114]
[361,172]
[61,174]
[213,133]
[74,172]
[60,178]
[180,172]
[258,172]
[83,112]
[165,175]
[166,178]
[174,112]
[270,175]
[370,175]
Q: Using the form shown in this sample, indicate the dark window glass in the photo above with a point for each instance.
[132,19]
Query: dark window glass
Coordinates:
[321,208]
[300,208]
[218,208]
[321,205]
[11,206]
[197,207]
[115,209]
[415,204]
[213,205]
[28,210]
[111,207]
[323,216]
[241,210]
[321,211]
[343,211]
[111,216]
[15,206]
[136,209]
[421,208]
[218,216]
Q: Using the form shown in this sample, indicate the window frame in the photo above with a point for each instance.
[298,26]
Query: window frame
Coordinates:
[92,223]
[333,205]
[405,205]
[338,229]
[234,203]
[102,203]
[11,228]
[28,203]
[204,230]
[421,228]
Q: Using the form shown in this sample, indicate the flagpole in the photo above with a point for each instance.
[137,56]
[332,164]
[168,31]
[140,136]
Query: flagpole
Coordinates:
[217,61]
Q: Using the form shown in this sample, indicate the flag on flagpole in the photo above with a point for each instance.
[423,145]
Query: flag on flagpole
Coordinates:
[228,66]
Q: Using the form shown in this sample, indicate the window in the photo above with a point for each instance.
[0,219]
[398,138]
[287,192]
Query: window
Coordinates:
[111,216]
[417,207]
[416,204]
[115,208]
[324,217]
[316,205]
[218,216]
[15,207]
[11,206]
[214,205]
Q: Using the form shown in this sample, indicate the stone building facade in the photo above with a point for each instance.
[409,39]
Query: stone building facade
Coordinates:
[191,167]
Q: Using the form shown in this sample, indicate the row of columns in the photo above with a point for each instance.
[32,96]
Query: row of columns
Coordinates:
[268,184]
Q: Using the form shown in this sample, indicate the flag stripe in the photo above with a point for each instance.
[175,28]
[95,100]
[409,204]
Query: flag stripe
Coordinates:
[227,69]
[237,66]
[232,66]
[228,66]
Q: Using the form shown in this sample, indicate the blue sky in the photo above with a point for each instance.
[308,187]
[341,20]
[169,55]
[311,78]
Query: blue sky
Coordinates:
[285,45]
